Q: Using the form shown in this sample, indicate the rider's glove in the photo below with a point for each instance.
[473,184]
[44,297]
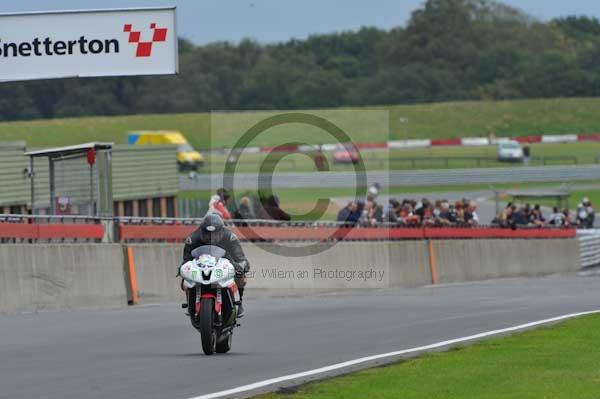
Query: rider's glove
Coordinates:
[241,268]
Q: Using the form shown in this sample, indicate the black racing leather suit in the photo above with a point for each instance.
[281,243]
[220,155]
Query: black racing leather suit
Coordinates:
[233,252]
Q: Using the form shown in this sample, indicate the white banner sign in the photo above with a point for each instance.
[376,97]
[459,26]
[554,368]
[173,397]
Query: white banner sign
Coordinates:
[88,43]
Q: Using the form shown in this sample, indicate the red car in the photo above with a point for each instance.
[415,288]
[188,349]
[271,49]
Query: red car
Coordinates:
[345,153]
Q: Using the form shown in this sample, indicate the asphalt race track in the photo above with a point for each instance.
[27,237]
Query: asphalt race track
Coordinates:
[153,352]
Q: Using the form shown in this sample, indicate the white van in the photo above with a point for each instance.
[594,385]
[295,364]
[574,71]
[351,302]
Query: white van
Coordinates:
[510,151]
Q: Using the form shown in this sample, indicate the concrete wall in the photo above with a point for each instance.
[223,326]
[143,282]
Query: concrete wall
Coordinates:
[61,276]
[359,265]
[156,268]
[467,260]
[69,276]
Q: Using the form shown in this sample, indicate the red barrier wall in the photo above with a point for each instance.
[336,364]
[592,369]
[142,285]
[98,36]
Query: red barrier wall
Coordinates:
[51,231]
[445,142]
[155,232]
[179,233]
[588,137]
[529,139]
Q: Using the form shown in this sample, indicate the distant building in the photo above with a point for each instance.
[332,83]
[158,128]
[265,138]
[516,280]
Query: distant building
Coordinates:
[144,182]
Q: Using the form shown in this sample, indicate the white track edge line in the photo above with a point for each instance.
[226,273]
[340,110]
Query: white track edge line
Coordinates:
[337,366]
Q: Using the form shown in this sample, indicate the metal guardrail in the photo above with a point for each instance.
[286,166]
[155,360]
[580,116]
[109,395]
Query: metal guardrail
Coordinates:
[251,181]
[589,247]
[56,219]
[466,161]
[410,163]
[26,228]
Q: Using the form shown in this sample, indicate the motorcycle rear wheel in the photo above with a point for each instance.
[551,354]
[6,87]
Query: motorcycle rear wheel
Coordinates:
[207,329]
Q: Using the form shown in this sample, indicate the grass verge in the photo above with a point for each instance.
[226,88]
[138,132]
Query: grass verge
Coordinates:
[555,362]
[419,158]
[443,120]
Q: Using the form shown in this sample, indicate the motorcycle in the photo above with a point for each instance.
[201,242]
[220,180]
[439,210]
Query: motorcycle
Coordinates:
[212,297]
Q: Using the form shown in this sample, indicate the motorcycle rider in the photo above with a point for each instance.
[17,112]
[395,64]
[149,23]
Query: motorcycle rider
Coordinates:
[212,231]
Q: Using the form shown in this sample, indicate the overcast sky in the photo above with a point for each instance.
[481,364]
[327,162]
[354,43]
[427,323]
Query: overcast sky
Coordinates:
[204,21]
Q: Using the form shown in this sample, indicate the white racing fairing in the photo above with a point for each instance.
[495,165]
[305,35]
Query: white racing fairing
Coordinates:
[207,270]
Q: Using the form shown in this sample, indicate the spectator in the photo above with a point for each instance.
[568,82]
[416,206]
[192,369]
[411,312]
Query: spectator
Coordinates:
[320,160]
[460,213]
[471,216]
[581,213]
[391,216]
[420,208]
[526,155]
[505,216]
[349,214]
[244,211]
[444,217]
[271,210]
[568,218]
[452,213]
[521,217]
[590,214]
[218,204]
[557,218]
[374,190]
[428,218]
[537,218]
[372,214]
[437,208]
[527,212]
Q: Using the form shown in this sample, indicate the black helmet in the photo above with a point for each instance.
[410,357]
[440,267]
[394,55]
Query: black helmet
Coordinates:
[212,229]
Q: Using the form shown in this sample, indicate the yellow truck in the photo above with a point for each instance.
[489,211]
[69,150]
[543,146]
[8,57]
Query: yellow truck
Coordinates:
[187,157]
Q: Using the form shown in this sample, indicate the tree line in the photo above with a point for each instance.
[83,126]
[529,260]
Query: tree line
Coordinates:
[448,50]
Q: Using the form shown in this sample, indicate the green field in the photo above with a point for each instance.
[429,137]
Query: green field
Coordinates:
[556,362]
[456,119]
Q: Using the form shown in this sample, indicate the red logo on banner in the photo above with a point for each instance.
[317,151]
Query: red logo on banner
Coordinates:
[144,49]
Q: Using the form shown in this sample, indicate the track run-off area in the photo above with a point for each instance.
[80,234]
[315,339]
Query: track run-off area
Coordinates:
[152,352]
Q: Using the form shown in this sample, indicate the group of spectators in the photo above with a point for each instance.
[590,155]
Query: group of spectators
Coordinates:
[411,213]
[267,208]
[513,216]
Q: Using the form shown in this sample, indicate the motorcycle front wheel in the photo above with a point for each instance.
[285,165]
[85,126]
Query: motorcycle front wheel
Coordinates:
[207,329]
[225,345]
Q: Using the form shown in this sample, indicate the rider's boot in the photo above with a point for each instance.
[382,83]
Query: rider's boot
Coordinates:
[240,308]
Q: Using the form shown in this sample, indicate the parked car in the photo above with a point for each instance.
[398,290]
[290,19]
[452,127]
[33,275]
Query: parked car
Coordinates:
[510,151]
[187,157]
[345,153]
